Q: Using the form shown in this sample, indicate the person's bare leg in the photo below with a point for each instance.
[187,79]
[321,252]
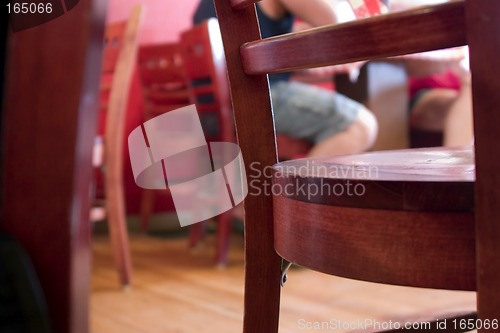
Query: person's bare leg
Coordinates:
[356,138]
[458,126]
[431,109]
[448,111]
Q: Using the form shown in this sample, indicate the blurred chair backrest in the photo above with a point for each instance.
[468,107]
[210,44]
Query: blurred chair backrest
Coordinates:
[120,50]
[164,88]
[205,66]
[113,42]
[112,45]
[120,86]
[206,70]
[163,79]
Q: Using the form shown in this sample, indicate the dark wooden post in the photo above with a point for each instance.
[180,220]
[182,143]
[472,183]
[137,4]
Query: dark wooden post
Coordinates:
[484,42]
[49,121]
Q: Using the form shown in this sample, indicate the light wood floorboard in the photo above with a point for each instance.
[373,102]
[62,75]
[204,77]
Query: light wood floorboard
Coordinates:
[177,291]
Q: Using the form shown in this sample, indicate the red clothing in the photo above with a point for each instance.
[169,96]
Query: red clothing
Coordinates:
[447,80]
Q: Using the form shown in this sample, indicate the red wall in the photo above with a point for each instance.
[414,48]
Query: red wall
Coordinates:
[162,21]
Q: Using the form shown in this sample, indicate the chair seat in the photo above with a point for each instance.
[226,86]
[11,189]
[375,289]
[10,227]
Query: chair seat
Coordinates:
[383,180]
[397,219]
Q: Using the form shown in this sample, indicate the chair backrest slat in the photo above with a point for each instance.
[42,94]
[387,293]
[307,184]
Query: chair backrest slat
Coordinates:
[117,104]
[206,71]
[418,30]
[113,42]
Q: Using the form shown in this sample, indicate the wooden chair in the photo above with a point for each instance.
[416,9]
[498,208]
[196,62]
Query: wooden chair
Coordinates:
[174,75]
[163,78]
[164,88]
[49,116]
[422,220]
[206,70]
[119,56]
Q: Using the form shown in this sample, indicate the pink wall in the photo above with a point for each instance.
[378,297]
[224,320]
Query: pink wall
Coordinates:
[162,21]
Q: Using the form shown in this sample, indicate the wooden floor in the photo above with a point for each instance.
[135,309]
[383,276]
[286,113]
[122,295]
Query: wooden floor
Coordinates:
[176,291]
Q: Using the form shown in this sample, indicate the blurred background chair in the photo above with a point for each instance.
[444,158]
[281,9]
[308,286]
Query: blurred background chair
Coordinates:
[164,88]
[206,71]
[424,218]
[119,56]
[205,66]
[175,75]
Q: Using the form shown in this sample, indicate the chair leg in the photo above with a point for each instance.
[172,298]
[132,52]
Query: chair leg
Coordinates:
[196,233]
[117,224]
[148,200]
[484,46]
[262,282]
[262,269]
[222,239]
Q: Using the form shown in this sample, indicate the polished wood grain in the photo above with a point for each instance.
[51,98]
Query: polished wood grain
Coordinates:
[178,291]
[251,105]
[377,37]
[335,236]
[389,180]
[49,122]
[367,244]
[413,240]
[484,47]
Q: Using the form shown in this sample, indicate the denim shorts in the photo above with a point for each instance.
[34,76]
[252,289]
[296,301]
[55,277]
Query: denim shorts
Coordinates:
[307,112]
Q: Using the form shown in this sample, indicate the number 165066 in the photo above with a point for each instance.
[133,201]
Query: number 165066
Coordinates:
[29,8]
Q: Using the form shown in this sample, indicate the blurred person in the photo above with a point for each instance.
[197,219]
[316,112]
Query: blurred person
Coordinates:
[439,91]
[333,123]
[441,101]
